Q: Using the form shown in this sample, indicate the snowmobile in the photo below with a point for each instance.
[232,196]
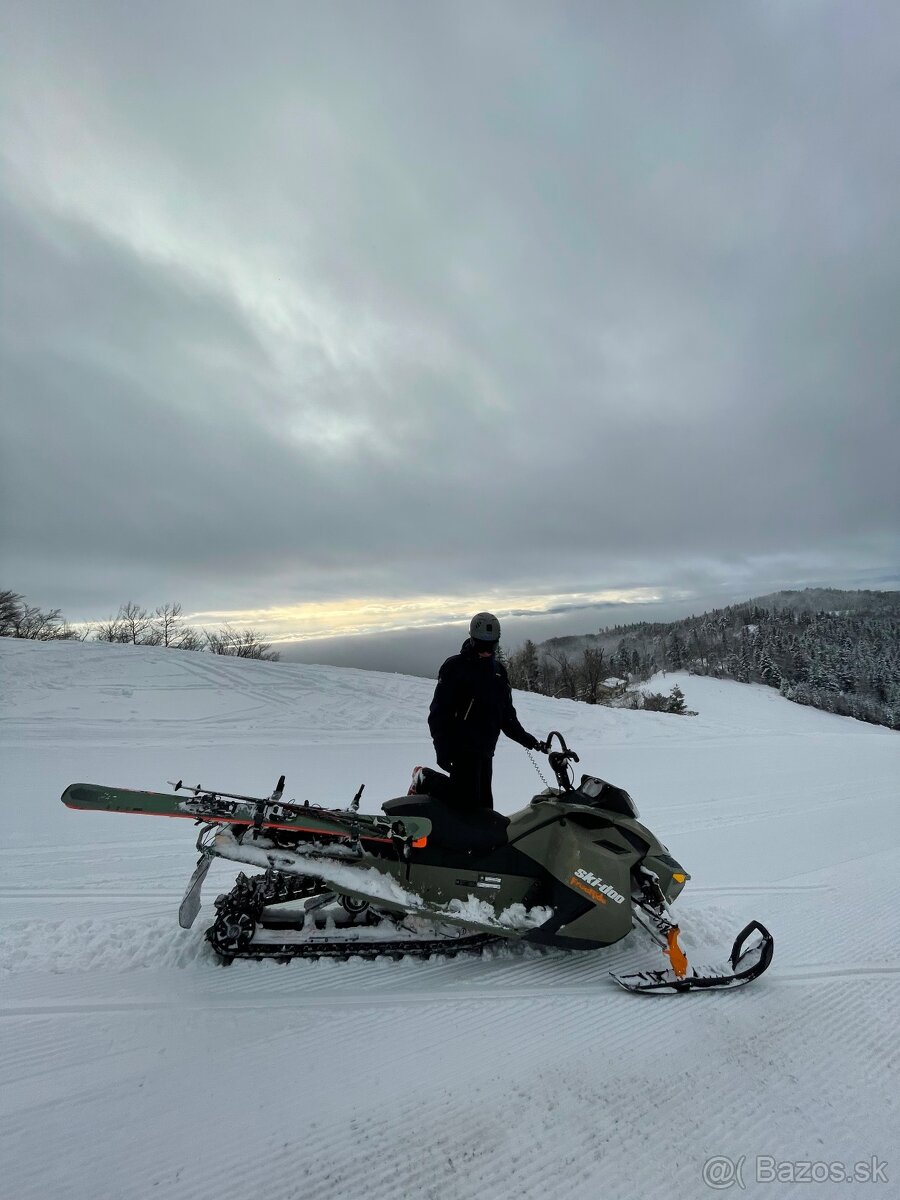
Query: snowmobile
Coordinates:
[575,869]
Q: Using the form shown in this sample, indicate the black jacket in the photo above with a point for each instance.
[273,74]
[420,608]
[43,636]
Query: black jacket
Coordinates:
[472,705]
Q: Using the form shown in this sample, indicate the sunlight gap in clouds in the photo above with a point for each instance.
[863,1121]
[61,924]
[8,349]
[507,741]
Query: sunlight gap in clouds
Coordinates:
[310,621]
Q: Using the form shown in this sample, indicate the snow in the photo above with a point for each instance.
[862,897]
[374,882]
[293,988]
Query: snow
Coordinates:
[132,1064]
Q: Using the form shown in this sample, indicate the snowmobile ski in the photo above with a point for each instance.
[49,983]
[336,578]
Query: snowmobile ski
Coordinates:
[747,964]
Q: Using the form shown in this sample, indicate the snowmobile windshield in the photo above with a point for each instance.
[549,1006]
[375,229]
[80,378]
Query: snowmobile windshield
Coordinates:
[597,793]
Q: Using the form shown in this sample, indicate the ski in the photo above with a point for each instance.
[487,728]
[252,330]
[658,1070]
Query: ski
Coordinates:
[229,809]
[747,964]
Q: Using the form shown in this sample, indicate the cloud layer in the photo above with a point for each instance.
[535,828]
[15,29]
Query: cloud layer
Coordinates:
[304,304]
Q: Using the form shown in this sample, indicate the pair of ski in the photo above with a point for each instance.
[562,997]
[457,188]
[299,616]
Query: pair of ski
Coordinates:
[230,808]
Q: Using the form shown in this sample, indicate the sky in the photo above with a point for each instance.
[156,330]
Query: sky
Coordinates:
[353,318]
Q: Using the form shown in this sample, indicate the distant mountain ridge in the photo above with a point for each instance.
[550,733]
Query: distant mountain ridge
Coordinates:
[807,600]
[830,648]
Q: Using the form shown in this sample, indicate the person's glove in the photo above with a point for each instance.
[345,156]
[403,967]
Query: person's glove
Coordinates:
[540,746]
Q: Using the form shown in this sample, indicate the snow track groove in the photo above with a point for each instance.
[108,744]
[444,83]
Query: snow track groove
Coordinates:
[133,1064]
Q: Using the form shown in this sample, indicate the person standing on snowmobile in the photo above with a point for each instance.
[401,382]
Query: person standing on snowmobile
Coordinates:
[472,706]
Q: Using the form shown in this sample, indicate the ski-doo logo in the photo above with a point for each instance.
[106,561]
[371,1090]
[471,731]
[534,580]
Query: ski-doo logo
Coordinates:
[593,886]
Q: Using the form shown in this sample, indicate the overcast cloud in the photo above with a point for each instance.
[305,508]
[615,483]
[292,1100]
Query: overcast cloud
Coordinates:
[429,304]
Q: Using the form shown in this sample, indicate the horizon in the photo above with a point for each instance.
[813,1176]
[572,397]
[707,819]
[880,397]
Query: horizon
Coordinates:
[419,650]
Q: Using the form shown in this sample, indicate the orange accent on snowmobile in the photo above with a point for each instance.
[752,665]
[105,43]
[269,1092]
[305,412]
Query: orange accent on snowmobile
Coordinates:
[419,843]
[676,955]
[597,897]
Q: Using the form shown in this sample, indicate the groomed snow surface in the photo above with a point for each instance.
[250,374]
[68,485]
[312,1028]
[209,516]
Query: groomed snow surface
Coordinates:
[134,1065]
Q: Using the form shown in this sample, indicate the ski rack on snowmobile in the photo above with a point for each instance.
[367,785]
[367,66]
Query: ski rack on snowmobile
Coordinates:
[271,808]
[259,803]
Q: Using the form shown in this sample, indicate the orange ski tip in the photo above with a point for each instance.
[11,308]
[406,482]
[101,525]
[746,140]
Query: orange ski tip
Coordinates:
[677,957]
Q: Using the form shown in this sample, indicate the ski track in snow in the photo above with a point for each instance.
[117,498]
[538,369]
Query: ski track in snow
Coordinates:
[133,1064]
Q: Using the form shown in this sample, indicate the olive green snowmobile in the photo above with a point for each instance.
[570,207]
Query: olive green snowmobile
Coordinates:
[575,869]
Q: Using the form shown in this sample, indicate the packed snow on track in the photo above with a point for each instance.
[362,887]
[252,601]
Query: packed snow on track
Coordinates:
[134,1064]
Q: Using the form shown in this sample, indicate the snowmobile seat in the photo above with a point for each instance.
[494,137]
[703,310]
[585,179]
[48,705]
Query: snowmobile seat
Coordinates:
[479,829]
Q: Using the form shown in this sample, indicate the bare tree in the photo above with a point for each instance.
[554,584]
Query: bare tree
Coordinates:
[547,676]
[219,641]
[188,639]
[514,670]
[245,643]
[130,624]
[22,620]
[11,604]
[592,674]
[137,622]
[531,665]
[166,623]
[111,630]
[566,675]
[161,628]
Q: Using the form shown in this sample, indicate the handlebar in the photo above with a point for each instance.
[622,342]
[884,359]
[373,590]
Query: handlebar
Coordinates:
[560,759]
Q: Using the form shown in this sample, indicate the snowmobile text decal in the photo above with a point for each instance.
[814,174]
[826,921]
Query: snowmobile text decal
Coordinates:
[593,886]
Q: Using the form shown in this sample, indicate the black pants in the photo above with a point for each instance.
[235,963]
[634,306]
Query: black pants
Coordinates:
[470,781]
